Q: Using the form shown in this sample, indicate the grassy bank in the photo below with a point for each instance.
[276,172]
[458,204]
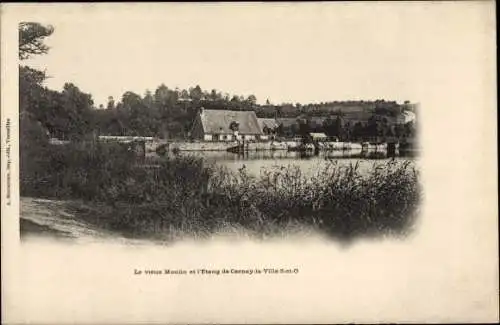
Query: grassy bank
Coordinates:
[186,196]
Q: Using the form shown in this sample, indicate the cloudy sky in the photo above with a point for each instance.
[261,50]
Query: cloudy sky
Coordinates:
[284,52]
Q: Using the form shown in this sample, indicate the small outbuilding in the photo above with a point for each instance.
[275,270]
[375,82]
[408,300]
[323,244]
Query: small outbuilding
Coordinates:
[318,136]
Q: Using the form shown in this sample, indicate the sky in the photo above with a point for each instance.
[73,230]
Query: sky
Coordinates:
[294,52]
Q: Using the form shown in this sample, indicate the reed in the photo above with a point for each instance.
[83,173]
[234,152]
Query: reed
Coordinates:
[185,196]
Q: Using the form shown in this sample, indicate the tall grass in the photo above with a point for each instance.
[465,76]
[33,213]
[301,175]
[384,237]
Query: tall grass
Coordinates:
[339,200]
[186,196]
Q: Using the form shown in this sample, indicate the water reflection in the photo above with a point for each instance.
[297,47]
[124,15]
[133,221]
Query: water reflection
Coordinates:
[284,155]
[309,163]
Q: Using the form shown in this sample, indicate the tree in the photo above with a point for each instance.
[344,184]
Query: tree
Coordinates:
[371,129]
[148,101]
[196,93]
[63,114]
[30,87]
[214,95]
[252,100]
[347,131]
[161,96]
[338,127]
[111,103]
[31,38]
[33,130]
[357,131]
[132,102]
[279,112]
[304,128]
[66,114]
[184,94]
[300,108]
[328,126]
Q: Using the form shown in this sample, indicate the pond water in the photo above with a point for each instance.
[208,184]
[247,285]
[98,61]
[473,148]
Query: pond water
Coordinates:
[255,162]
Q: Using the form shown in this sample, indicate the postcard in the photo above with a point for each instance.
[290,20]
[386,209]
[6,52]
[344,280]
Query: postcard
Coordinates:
[249,163]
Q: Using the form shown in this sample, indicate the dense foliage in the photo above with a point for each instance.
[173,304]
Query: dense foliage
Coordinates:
[186,196]
[169,113]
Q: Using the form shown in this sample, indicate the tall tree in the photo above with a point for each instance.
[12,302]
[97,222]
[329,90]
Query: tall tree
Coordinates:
[338,128]
[31,90]
[214,95]
[148,98]
[111,103]
[77,108]
[31,39]
[196,93]
[252,100]
[328,126]
[304,127]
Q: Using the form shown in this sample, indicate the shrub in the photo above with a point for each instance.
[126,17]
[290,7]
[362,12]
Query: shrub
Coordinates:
[185,195]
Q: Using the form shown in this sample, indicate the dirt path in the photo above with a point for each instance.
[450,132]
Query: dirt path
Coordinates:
[52,218]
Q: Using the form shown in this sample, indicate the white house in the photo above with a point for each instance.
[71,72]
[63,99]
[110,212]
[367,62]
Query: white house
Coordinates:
[225,125]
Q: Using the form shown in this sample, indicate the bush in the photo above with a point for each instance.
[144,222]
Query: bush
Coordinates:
[184,195]
[81,170]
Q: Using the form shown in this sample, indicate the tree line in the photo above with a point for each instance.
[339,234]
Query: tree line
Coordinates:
[168,113]
[374,129]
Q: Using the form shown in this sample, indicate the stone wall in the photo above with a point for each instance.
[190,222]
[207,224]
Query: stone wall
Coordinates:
[201,146]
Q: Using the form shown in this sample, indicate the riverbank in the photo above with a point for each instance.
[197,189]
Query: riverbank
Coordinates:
[185,196]
[225,146]
[274,145]
[67,221]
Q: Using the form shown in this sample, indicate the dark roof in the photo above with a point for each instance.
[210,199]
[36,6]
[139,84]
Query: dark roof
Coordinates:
[218,121]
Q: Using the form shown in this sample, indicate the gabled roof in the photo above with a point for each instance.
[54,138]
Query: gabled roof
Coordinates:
[218,121]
